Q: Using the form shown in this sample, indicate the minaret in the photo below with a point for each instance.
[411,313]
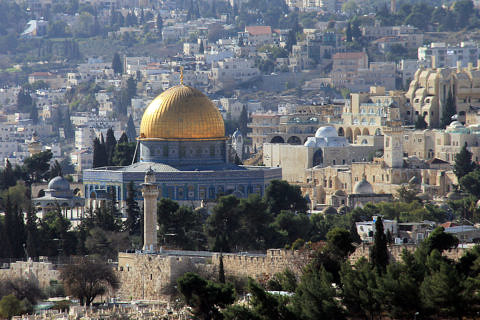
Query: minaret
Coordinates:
[393,7]
[393,145]
[34,145]
[150,197]
[237,143]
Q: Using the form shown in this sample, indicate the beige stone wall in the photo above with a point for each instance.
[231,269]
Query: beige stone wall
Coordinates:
[152,276]
[395,252]
[42,272]
[293,159]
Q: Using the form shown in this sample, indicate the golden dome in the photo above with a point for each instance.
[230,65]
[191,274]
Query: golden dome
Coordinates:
[182,113]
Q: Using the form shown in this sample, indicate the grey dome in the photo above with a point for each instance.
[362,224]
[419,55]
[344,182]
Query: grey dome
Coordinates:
[453,195]
[363,187]
[59,184]
[329,210]
[326,132]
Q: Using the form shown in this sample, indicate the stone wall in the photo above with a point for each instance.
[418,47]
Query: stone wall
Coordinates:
[395,252]
[152,276]
[41,272]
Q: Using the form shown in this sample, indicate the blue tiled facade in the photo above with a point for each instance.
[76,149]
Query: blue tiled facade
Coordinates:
[180,185]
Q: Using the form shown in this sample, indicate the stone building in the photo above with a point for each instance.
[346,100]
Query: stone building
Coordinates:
[442,144]
[330,185]
[293,127]
[324,149]
[182,139]
[58,195]
[430,89]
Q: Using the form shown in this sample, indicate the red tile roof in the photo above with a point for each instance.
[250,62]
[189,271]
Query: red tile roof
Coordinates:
[258,30]
[349,55]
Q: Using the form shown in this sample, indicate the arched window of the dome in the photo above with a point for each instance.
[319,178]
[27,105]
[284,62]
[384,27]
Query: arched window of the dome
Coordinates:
[165,150]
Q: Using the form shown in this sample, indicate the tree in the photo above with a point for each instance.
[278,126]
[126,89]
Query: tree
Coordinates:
[268,306]
[10,306]
[201,49]
[110,144]
[379,253]
[339,241]
[398,291]
[471,183]
[159,23]
[348,32]
[34,113]
[439,240]
[443,290]
[123,154]
[449,110]
[32,233]
[14,229]
[86,278]
[243,121]
[37,165]
[316,298]
[131,87]
[223,224]
[204,296]
[68,126]
[100,158]
[463,162]
[359,287]
[24,101]
[56,170]
[132,224]
[221,271]
[131,131]
[117,65]
[280,195]
[420,123]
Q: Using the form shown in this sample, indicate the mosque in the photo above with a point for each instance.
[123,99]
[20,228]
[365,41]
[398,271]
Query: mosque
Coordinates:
[182,140]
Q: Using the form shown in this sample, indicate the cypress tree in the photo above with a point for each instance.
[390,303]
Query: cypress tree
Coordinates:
[123,138]
[421,124]
[132,224]
[463,163]
[34,113]
[348,33]
[32,232]
[103,151]
[221,271]
[131,87]
[99,152]
[131,131]
[201,49]
[110,144]
[8,176]
[117,64]
[449,111]
[379,253]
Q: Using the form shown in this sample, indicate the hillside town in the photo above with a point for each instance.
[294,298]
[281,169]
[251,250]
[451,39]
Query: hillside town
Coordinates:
[239,159]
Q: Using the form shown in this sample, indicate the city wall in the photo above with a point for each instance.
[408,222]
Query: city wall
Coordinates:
[41,272]
[154,276]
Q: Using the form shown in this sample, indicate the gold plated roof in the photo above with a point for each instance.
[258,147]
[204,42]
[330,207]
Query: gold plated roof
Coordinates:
[182,113]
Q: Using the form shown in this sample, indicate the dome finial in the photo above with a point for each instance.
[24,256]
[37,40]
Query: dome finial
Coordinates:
[181,75]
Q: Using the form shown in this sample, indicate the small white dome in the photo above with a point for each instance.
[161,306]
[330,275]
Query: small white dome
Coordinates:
[363,187]
[326,132]
[456,124]
[59,184]
[310,143]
